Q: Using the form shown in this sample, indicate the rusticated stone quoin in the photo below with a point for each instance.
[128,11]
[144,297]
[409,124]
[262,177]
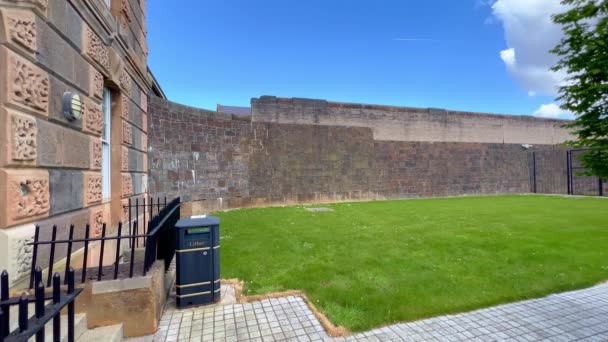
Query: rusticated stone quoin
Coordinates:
[124,107]
[125,81]
[16,251]
[97,221]
[92,117]
[22,249]
[23,142]
[127,133]
[92,187]
[96,83]
[96,154]
[143,103]
[95,49]
[127,185]
[145,164]
[125,13]
[124,158]
[124,205]
[27,85]
[144,122]
[25,196]
[144,142]
[21,28]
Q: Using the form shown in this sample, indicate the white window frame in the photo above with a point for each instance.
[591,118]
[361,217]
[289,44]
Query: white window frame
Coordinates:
[106,155]
[107,2]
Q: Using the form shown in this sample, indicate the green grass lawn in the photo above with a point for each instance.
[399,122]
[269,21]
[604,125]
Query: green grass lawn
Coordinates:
[375,263]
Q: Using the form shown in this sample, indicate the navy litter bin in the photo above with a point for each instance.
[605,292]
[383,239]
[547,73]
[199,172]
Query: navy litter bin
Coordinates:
[198,261]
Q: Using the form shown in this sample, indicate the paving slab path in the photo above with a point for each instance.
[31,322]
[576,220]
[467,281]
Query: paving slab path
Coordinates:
[572,316]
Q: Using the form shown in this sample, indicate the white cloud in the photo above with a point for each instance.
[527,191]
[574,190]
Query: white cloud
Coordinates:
[530,34]
[553,111]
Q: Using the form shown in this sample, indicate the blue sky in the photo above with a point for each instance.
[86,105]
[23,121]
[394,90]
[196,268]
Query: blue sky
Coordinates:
[463,54]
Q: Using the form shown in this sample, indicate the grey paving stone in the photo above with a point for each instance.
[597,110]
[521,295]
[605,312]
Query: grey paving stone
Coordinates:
[571,316]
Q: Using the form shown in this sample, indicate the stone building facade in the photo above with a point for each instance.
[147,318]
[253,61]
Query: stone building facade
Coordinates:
[57,171]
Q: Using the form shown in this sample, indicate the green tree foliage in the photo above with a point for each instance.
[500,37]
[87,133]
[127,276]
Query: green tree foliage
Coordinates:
[583,54]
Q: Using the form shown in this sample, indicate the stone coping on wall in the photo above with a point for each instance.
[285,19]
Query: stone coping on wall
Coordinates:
[176,108]
[391,123]
[295,101]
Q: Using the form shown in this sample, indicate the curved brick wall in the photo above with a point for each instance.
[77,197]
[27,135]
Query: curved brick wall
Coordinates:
[220,161]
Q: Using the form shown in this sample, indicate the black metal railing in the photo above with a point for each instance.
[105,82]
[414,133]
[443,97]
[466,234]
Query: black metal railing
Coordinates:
[160,238]
[579,184]
[160,244]
[34,326]
[146,208]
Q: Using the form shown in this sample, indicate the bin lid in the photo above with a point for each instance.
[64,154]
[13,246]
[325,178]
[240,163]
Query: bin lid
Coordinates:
[198,222]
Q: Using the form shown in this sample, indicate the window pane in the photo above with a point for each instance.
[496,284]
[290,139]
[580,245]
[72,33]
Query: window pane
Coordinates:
[107,104]
[105,153]
[105,171]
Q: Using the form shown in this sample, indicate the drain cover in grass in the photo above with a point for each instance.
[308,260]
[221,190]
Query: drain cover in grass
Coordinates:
[318,210]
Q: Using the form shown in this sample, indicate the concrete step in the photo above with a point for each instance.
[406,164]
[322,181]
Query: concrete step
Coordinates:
[80,323]
[111,333]
[80,327]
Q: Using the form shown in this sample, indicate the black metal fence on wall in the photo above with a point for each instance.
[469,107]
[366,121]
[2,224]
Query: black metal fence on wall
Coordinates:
[157,237]
[579,184]
[43,313]
[561,172]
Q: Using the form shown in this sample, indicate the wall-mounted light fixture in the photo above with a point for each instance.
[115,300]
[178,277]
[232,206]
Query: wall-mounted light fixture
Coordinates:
[72,106]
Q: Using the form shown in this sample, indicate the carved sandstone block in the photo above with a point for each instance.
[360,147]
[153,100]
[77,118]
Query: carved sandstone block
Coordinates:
[124,205]
[19,27]
[95,154]
[125,13]
[126,83]
[127,185]
[98,216]
[15,253]
[143,102]
[144,122]
[144,183]
[95,83]
[25,196]
[18,138]
[92,188]
[145,163]
[23,84]
[124,160]
[23,138]
[124,107]
[92,117]
[94,48]
[127,133]
[144,142]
